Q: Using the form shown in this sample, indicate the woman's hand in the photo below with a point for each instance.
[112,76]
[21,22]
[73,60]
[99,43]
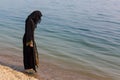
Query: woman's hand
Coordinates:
[29,43]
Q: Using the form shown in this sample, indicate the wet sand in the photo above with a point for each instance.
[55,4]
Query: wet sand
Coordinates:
[46,70]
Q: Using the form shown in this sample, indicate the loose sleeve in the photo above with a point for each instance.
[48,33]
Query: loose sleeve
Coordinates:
[29,32]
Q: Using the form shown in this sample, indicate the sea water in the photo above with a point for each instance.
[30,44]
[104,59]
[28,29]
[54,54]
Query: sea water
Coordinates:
[78,35]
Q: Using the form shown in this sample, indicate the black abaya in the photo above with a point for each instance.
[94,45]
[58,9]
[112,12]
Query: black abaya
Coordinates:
[30,54]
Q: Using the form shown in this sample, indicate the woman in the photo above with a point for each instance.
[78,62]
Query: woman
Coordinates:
[30,53]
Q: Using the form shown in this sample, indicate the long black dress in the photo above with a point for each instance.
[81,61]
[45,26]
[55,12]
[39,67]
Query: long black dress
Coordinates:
[30,54]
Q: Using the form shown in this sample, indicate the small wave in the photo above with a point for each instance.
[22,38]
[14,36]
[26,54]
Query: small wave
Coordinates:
[106,21]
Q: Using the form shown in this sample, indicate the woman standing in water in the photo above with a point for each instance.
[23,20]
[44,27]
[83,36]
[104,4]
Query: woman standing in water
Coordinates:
[30,54]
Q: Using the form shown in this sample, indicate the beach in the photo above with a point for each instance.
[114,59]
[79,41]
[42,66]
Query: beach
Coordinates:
[6,73]
[11,67]
[76,40]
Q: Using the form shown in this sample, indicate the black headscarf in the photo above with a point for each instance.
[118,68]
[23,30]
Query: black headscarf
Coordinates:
[35,16]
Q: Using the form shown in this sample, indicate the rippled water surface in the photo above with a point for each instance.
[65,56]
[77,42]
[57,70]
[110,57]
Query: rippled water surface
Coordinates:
[79,35]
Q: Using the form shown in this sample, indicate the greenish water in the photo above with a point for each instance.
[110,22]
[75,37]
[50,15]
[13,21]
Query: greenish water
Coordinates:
[79,35]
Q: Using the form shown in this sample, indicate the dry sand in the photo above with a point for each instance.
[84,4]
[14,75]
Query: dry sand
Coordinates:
[6,73]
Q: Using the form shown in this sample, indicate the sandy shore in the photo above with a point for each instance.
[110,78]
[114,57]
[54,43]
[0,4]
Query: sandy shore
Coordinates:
[46,70]
[6,73]
[12,69]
